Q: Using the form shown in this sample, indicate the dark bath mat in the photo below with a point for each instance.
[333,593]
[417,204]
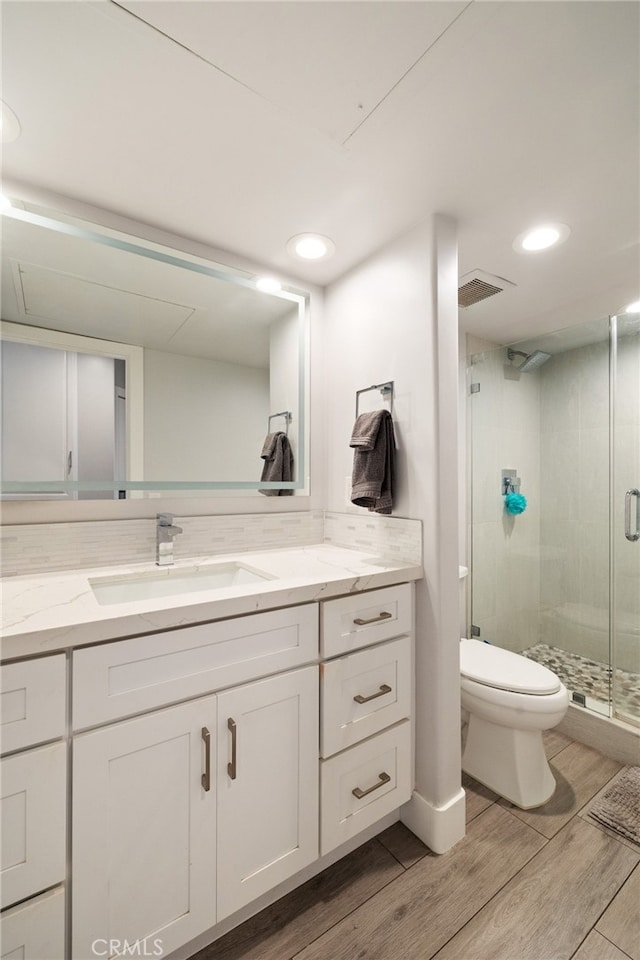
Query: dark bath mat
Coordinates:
[619,808]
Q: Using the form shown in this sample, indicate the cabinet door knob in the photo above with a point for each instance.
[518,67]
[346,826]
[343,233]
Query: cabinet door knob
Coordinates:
[381,616]
[385,688]
[231,767]
[384,778]
[206,776]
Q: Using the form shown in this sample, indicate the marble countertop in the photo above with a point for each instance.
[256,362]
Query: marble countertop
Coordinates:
[53,611]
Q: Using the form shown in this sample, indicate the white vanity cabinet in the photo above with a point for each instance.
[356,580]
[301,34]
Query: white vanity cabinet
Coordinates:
[187,813]
[184,815]
[33,807]
[366,769]
[209,764]
[144,830]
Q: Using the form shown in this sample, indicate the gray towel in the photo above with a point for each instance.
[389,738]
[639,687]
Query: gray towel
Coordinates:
[373,461]
[278,463]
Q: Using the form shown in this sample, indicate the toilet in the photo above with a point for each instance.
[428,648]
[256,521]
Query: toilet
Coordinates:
[510,701]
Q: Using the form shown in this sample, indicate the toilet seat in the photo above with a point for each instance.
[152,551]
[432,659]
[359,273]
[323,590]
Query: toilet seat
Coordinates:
[522,710]
[504,670]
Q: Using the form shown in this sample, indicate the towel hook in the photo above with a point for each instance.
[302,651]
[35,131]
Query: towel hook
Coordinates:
[384,388]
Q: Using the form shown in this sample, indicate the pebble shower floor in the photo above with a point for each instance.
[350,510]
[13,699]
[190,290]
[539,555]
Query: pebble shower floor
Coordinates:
[589,677]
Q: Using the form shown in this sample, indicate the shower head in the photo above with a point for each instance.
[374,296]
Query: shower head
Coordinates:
[531,360]
[535,360]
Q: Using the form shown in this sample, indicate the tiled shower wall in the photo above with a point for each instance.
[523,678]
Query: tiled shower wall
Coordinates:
[504,419]
[574,537]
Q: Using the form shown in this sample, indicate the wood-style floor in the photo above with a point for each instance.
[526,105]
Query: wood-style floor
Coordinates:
[545,884]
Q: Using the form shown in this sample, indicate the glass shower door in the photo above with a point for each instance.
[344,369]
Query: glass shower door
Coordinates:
[625,519]
[541,580]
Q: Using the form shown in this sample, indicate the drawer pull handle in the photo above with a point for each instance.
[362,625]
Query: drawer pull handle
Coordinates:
[381,616]
[385,688]
[359,794]
[231,767]
[206,776]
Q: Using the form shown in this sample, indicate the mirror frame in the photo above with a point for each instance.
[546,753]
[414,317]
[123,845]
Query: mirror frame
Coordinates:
[79,228]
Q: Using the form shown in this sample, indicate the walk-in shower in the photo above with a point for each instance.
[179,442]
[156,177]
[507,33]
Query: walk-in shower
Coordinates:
[560,581]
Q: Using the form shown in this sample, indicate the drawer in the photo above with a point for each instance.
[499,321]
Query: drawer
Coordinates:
[35,930]
[363,784]
[363,693]
[32,702]
[120,679]
[365,618]
[33,810]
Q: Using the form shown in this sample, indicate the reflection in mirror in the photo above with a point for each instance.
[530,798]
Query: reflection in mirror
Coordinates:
[128,366]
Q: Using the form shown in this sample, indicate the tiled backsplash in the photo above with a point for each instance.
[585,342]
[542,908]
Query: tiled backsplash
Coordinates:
[43,547]
[391,537]
[204,536]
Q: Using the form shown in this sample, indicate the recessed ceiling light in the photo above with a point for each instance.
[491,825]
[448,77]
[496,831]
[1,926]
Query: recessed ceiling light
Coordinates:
[9,124]
[268,284]
[311,246]
[541,237]
[633,307]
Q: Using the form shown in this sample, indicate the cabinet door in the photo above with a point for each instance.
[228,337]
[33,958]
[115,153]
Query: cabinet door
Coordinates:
[34,930]
[32,702]
[33,821]
[267,785]
[144,831]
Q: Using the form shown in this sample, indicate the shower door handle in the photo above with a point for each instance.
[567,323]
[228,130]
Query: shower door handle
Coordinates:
[629,534]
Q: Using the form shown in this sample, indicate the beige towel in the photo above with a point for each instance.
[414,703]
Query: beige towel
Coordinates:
[373,461]
[278,463]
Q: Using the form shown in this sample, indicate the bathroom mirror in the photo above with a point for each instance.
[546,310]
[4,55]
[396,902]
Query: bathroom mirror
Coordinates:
[130,367]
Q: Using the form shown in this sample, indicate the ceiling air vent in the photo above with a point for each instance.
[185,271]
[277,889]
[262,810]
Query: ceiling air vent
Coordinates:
[478,285]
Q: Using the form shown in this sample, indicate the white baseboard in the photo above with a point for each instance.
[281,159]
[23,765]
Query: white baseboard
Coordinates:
[438,827]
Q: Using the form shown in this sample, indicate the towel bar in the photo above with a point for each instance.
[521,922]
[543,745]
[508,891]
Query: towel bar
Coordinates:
[384,388]
[287,417]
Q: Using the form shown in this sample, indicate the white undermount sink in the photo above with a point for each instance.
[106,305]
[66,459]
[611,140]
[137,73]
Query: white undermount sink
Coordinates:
[173,582]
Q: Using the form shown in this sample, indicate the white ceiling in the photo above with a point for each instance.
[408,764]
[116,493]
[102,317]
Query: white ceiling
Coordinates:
[241,124]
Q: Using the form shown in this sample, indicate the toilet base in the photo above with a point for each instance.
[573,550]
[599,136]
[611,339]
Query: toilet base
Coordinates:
[510,762]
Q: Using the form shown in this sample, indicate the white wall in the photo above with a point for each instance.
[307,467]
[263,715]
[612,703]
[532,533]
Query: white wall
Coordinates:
[395,318]
[203,419]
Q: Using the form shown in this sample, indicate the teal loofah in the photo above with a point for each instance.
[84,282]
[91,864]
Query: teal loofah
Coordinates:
[515,503]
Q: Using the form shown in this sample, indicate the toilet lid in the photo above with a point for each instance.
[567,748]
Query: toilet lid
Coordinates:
[505,670]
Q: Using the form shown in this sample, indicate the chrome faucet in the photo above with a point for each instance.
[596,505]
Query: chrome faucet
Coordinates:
[165,533]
